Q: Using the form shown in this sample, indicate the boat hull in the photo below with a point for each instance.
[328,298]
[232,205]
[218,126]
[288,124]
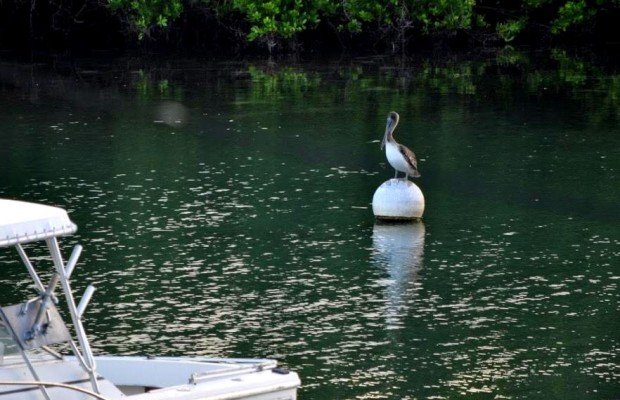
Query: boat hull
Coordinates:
[148,378]
[158,378]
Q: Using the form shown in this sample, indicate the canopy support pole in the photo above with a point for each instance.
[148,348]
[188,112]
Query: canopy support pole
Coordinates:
[31,270]
[88,358]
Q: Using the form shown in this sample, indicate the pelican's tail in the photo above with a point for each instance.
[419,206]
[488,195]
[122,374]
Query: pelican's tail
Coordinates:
[416,174]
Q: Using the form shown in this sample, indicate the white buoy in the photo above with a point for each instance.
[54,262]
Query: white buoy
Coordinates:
[398,199]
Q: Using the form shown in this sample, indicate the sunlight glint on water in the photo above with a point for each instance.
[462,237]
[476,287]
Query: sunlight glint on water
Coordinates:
[247,230]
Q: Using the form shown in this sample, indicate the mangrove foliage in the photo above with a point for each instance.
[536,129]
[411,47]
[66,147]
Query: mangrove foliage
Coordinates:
[306,25]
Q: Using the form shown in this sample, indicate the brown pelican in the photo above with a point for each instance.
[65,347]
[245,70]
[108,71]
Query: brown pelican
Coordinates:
[400,157]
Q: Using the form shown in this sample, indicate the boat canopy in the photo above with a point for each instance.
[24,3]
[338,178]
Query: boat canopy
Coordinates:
[22,222]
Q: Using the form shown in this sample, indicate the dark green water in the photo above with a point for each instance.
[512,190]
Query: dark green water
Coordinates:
[224,209]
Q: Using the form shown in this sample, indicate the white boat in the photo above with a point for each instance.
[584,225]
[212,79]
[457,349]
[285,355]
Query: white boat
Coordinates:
[43,358]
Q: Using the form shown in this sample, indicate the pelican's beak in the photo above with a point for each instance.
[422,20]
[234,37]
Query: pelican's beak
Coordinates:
[388,126]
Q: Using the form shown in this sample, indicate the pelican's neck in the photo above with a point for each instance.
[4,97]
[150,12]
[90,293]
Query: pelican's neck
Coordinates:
[392,121]
[389,132]
[390,136]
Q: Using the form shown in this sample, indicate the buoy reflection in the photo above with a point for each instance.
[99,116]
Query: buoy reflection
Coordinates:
[399,250]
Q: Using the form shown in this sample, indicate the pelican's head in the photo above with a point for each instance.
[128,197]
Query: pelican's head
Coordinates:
[392,121]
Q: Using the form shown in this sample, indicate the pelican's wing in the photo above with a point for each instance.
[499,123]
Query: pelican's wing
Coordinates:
[410,157]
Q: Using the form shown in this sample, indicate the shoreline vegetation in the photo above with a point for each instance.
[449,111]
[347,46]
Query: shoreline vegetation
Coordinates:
[269,27]
[506,76]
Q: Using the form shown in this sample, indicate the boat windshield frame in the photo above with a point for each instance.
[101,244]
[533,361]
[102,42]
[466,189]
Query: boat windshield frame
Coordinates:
[29,324]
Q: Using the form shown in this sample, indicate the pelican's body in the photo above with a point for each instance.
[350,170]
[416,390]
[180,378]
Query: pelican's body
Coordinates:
[400,157]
